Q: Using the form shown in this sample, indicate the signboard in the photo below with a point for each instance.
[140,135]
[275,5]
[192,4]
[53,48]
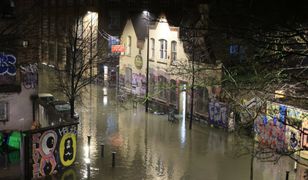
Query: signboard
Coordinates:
[51,149]
[113,40]
[117,48]
[138,62]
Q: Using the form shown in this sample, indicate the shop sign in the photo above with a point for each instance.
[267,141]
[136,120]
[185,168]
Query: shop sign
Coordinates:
[117,48]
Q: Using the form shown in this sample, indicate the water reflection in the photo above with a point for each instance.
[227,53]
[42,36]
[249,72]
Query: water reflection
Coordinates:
[69,174]
[149,147]
[105,100]
[183,121]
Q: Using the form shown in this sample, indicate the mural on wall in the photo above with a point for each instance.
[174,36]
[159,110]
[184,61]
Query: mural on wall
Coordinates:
[138,84]
[7,68]
[53,149]
[272,130]
[7,64]
[29,76]
[304,139]
[218,114]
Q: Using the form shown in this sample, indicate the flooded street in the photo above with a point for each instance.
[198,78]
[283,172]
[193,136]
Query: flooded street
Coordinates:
[148,146]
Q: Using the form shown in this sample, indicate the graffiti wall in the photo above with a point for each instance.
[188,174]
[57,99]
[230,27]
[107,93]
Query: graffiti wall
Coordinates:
[218,114]
[277,129]
[29,76]
[7,68]
[52,150]
[270,132]
[138,84]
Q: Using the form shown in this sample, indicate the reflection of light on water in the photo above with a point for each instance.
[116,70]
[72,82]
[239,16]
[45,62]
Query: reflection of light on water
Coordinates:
[105,91]
[183,128]
[105,100]
[86,154]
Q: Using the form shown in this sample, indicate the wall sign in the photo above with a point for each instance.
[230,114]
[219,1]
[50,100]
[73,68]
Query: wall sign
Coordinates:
[138,62]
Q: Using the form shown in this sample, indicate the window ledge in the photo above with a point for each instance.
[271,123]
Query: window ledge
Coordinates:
[161,62]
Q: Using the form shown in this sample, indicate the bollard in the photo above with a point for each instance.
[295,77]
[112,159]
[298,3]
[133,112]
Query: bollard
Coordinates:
[113,159]
[295,166]
[287,175]
[88,171]
[89,139]
[102,150]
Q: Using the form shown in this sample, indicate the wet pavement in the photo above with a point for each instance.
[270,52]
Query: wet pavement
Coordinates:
[148,146]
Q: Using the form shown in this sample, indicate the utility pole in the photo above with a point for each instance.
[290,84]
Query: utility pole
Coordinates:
[147,68]
[192,82]
[91,39]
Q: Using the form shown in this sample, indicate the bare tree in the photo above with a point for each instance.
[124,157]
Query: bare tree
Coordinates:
[82,57]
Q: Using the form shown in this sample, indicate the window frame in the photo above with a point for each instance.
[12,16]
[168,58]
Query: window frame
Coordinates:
[163,49]
[173,51]
[4,111]
[152,41]
[128,45]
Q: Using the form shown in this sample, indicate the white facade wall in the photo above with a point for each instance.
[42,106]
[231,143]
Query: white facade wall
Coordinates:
[20,115]
[161,30]
[128,60]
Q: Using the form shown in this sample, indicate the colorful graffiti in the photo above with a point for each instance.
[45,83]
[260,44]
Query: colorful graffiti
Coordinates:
[271,129]
[53,149]
[138,84]
[218,114]
[29,72]
[7,64]
[270,133]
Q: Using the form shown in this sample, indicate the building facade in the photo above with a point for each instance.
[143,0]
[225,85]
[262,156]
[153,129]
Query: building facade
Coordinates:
[170,75]
[18,62]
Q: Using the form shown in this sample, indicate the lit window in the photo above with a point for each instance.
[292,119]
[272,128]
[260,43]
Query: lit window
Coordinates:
[234,49]
[152,48]
[163,49]
[128,45]
[3,111]
[173,52]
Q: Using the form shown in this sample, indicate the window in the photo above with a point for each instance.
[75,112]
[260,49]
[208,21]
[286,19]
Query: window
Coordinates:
[152,48]
[202,100]
[128,45]
[4,111]
[173,52]
[162,87]
[163,49]
[128,77]
[234,49]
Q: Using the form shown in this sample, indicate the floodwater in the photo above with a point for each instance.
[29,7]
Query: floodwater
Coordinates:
[148,146]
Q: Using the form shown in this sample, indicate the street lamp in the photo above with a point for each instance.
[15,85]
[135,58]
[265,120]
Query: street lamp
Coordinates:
[147,14]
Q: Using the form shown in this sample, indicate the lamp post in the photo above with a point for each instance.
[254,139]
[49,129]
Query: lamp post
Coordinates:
[146,13]
[91,41]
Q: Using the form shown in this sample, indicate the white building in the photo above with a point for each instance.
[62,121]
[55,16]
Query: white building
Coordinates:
[166,59]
